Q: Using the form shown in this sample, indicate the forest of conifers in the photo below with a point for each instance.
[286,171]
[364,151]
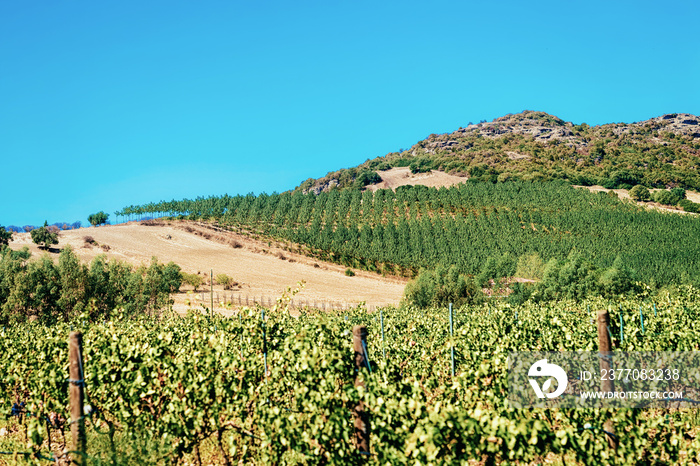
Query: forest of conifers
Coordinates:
[416,226]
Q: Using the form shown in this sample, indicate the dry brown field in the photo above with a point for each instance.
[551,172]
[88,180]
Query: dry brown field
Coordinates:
[261,270]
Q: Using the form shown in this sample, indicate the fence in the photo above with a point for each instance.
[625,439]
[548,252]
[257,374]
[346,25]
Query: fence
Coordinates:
[240,299]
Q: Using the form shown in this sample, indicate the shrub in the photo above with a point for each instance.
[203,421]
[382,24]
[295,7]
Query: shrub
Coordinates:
[226,281]
[192,279]
[496,268]
[678,193]
[640,193]
[43,237]
[577,279]
[421,165]
[440,287]
[58,292]
[664,197]
[367,177]
[689,206]
[349,272]
[530,266]
[5,236]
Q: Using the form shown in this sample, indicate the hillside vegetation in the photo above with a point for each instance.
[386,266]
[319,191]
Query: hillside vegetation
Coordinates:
[662,152]
[399,232]
[270,389]
[518,206]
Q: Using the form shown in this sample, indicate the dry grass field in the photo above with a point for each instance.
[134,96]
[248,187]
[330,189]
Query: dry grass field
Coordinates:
[259,269]
[395,177]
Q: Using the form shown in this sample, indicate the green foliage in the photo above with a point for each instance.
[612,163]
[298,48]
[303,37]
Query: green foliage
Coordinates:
[577,279]
[172,390]
[421,165]
[225,281]
[623,179]
[45,236]
[74,283]
[5,237]
[416,226]
[640,193]
[672,197]
[440,287]
[573,278]
[367,177]
[678,193]
[689,206]
[530,266]
[664,197]
[617,280]
[58,292]
[496,268]
[192,279]
[349,272]
[100,218]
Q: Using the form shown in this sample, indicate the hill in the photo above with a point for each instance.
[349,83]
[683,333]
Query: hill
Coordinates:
[261,269]
[398,232]
[662,152]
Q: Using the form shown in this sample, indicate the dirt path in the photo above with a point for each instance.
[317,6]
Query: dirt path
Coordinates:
[260,269]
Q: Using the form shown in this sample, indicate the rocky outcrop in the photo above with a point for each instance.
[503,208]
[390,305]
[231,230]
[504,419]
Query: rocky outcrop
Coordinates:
[544,128]
[680,124]
[323,186]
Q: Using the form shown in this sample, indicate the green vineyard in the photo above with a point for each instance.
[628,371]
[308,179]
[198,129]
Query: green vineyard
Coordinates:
[267,388]
[400,232]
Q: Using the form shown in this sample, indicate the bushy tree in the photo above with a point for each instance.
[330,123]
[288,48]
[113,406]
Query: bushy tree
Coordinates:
[624,179]
[421,165]
[367,177]
[689,206]
[5,237]
[158,282]
[616,280]
[665,197]
[496,268]
[440,287]
[678,193]
[530,266]
[44,237]
[576,278]
[63,291]
[192,279]
[573,278]
[100,218]
[640,193]
[225,281]
[74,283]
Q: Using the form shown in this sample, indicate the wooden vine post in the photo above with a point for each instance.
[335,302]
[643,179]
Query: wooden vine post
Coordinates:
[77,395]
[605,356]
[362,426]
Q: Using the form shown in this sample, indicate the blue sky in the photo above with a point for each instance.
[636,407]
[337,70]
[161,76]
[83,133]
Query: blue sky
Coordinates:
[107,104]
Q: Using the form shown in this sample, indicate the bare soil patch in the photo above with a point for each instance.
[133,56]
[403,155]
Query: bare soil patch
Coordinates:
[261,269]
[401,176]
[623,194]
